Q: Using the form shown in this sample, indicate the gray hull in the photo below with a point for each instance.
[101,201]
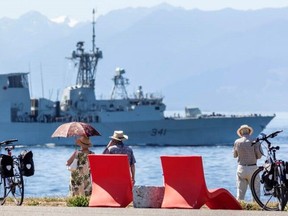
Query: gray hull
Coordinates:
[175,132]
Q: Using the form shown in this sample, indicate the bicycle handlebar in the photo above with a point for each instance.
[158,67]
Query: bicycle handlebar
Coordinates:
[274,134]
[7,142]
[265,137]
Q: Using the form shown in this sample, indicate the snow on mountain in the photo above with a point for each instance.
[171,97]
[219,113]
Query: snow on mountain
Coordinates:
[65,20]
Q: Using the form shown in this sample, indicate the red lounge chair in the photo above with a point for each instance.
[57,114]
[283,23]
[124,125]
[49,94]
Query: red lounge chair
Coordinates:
[185,186]
[111,181]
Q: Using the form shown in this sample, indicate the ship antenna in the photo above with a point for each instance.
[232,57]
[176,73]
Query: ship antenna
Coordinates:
[30,79]
[93,35]
[86,61]
[42,80]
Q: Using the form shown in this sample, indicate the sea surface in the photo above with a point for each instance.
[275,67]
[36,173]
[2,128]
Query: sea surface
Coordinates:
[51,177]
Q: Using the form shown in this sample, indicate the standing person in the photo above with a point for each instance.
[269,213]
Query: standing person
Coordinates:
[247,155]
[80,182]
[116,146]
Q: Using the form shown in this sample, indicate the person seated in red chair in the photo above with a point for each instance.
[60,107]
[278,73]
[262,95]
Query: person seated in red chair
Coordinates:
[116,146]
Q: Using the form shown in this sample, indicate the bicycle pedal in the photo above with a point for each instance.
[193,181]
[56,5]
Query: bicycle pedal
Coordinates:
[268,194]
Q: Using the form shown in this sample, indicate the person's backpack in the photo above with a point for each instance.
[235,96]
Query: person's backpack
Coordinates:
[6,165]
[268,177]
[27,163]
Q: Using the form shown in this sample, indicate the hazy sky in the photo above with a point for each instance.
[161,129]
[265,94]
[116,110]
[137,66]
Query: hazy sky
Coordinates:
[81,9]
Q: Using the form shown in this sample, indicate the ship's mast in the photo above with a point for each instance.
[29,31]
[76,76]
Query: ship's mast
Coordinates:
[120,82]
[87,61]
[93,33]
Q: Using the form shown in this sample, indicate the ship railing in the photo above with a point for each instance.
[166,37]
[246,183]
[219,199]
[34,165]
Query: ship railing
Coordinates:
[216,115]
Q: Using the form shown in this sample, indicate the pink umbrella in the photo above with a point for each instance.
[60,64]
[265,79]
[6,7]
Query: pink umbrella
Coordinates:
[75,129]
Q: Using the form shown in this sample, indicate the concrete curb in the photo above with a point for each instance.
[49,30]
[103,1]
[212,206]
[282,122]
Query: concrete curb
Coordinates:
[73,211]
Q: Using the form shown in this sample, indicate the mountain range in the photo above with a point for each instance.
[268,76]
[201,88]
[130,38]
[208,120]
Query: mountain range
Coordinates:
[225,60]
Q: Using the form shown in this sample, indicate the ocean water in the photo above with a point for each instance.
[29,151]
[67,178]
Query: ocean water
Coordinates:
[51,177]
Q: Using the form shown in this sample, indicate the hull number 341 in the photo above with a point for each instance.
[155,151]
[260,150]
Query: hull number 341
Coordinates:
[158,132]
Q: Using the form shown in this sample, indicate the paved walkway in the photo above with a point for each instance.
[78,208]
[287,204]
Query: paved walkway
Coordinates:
[73,211]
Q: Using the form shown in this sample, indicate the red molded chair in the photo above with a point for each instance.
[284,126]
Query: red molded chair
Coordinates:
[185,186]
[111,180]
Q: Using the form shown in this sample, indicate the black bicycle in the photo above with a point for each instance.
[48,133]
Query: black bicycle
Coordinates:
[269,185]
[11,181]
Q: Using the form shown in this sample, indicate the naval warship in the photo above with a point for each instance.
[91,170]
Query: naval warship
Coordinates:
[141,116]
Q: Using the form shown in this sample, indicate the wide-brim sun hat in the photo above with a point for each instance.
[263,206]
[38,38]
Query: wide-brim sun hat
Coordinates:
[119,135]
[244,127]
[84,141]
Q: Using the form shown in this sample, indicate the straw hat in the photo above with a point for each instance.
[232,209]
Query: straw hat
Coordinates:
[118,135]
[84,141]
[244,127]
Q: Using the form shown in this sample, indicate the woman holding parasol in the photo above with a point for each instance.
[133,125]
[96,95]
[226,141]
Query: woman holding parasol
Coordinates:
[80,181]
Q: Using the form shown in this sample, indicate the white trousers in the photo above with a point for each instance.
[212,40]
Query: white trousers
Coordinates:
[243,176]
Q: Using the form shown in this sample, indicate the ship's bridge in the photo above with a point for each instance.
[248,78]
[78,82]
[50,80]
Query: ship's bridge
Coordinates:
[14,96]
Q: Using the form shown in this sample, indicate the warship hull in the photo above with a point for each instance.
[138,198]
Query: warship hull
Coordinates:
[166,132]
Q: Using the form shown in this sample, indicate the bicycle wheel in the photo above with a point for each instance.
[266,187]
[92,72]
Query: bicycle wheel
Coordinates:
[270,199]
[15,186]
[17,189]
[2,191]
[281,190]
